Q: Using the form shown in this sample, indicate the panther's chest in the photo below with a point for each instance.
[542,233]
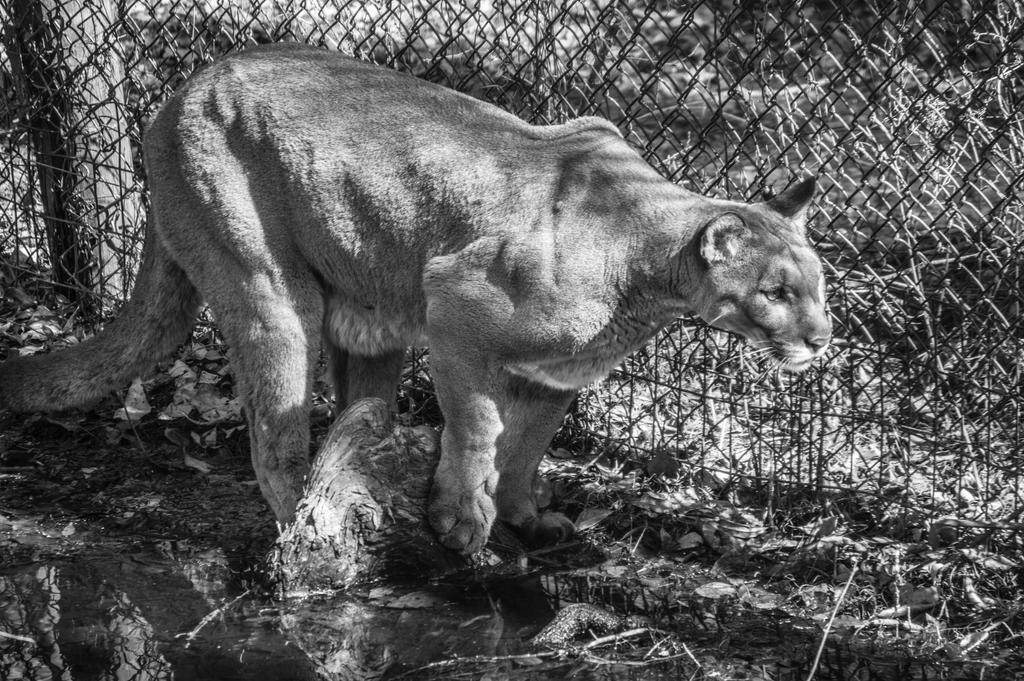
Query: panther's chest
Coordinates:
[565,374]
[625,334]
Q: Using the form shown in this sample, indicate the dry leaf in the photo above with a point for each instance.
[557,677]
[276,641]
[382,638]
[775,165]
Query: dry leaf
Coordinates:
[590,517]
[690,540]
[715,590]
[135,403]
[177,436]
[197,464]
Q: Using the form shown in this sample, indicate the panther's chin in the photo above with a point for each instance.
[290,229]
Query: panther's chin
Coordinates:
[793,362]
[795,366]
[789,358]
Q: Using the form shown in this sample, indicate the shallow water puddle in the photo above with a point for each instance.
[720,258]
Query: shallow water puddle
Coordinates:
[76,605]
[153,611]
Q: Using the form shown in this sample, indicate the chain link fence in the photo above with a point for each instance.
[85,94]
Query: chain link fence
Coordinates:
[909,114]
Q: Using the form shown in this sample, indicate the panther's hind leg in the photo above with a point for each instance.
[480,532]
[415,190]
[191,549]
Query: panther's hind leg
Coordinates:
[337,371]
[273,332]
[372,376]
[362,360]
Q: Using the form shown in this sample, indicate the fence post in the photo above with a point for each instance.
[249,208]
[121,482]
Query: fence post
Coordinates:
[64,65]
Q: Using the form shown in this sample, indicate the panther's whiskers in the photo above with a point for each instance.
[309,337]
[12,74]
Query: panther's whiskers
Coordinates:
[773,366]
[711,322]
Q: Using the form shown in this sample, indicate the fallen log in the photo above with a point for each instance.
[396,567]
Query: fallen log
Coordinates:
[362,517]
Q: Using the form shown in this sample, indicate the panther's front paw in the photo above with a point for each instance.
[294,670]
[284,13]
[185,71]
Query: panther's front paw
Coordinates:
[461,519]
[547,529]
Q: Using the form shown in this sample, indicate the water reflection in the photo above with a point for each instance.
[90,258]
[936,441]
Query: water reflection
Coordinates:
[121,616]
[123,644]
[29,616]
[116,617]
[387,632]
[132,646]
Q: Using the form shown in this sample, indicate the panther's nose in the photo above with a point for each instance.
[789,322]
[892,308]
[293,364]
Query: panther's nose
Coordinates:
[817,343]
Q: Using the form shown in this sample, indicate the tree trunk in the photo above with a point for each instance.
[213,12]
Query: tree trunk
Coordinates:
[362,517]
[66,67]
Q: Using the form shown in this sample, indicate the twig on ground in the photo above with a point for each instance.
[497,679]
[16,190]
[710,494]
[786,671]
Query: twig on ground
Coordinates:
[686,649]
[17,637]
[590,645]
[478,659]
[828,625]
[597,659]
[189,636]
[615,638]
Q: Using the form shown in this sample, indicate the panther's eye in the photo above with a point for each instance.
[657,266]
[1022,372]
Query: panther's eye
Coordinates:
[776,293]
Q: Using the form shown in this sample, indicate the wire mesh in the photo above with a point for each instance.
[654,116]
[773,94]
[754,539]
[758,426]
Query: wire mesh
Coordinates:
[910,114]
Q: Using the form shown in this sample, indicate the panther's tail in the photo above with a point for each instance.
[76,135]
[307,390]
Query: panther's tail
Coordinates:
[151,325]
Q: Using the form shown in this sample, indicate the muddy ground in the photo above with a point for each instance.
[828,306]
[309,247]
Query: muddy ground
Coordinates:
[125,554]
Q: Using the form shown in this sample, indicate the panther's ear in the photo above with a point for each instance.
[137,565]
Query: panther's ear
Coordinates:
[795,202]
[721,239]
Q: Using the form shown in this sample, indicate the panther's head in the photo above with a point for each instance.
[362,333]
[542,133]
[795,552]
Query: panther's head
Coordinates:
[762,279]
